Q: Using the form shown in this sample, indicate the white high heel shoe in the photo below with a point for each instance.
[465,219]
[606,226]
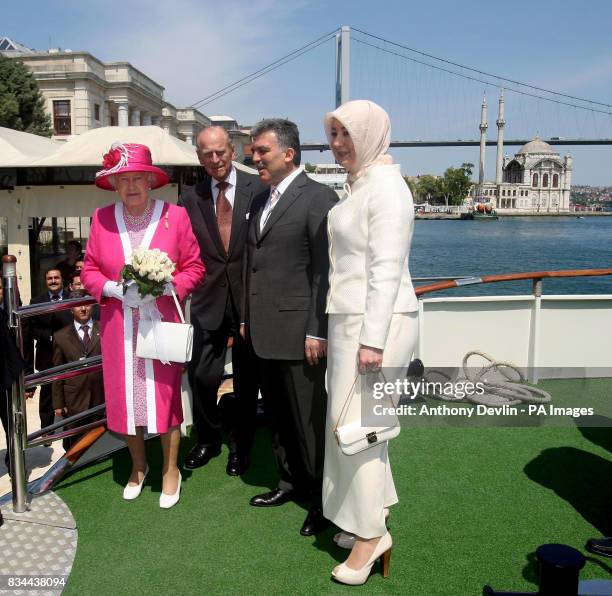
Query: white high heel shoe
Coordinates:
[167,501]
[132,491]
[356,577]
[347,540]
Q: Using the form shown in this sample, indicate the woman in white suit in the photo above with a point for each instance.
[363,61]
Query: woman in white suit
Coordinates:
[373,323]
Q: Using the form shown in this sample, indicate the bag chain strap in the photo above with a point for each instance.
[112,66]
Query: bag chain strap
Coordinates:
[348,399]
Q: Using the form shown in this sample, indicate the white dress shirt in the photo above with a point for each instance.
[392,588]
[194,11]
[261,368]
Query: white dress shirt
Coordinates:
[78,326]
[282,187]
[230,189]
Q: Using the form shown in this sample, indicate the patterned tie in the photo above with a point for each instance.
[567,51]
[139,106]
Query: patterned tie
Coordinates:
[274,196]
[86,338]
[55,297]
[224,215]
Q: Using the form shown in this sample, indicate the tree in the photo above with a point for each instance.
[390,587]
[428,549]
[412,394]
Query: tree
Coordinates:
[309,168]
[455,185]
[428,188]
[468,167]
[22,106]
[412,185]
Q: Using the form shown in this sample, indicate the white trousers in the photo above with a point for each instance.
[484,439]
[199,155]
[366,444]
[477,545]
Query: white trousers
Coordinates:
[357,488]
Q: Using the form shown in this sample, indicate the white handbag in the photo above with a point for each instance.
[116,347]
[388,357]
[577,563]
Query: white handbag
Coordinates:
[352,437]
[168,342]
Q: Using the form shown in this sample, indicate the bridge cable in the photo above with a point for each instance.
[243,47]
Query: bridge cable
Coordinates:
[501,78]
[484,82]
[264,70]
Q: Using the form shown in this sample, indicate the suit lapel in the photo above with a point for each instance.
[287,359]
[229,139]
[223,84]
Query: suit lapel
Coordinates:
[286,200]
[208,213]
[95,338]
[242,195]
[78,344]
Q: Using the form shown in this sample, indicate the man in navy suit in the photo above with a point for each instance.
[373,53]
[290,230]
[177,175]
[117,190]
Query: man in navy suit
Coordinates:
[219,209]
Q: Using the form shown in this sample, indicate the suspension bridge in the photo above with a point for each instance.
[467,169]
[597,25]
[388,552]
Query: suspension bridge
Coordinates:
[435,98]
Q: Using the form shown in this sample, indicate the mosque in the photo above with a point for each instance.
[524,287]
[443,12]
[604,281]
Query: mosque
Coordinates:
[536,180]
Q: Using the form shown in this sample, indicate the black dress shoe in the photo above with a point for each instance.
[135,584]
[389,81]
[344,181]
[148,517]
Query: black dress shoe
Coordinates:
[600,546]
[200,455]
[274,498]
[314,523]
[237,464]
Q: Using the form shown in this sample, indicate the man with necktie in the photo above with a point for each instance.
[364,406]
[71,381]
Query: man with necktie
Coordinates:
[41,329]
[218,207]
[284,313]
[80,339]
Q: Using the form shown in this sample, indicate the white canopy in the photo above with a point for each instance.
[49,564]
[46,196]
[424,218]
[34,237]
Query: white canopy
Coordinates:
[22,148]
[87,149]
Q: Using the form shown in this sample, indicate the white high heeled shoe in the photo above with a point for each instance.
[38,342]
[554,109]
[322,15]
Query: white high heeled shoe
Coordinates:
[167,501]
[356,577]
[132,491]
[347,540]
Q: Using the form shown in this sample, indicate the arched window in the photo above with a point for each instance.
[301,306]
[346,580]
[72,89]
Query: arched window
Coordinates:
[513,172]
[536,179]
[545,180]
[503,192]
[555,181]
[514,193]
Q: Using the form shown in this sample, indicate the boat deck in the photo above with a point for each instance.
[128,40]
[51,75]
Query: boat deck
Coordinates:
[475,503]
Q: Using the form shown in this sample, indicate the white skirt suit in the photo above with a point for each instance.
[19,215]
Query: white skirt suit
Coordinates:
[371,302]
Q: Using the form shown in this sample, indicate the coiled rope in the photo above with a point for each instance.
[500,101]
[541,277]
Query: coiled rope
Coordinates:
[500,387]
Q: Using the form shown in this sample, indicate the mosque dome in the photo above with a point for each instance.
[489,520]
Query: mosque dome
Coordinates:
[536,146]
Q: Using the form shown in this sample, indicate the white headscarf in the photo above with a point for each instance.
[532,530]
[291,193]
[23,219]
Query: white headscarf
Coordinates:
[370,130]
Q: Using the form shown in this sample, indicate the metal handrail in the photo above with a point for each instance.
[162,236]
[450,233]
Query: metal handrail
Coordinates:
[69,420]
[17,422]
[63,371]
[536,276]
[33,310]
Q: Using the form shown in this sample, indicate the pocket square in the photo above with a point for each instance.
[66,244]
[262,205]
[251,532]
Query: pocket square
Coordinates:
[247,216]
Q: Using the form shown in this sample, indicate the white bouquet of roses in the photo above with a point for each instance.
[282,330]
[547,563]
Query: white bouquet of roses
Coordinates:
[150,269]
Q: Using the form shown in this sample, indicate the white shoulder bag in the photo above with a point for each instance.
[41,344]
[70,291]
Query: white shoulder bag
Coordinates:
[164,341]
[352,437]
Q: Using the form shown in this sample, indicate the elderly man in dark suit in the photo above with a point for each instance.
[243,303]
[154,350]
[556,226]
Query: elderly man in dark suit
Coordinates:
[42,328]
[219,209]
[284,312]
[80,339]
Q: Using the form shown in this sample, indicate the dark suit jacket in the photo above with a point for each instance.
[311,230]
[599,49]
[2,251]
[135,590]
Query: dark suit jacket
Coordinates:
[85,391]
[286,270]
[42,328]
[223,271]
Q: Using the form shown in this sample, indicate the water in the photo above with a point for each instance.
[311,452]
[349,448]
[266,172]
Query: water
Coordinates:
[514,245]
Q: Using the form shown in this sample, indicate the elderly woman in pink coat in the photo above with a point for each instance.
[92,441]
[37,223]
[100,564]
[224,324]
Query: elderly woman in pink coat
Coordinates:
[140,393]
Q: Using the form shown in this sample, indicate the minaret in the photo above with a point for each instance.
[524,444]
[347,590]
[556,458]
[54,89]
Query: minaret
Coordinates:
[483,143]
[500,140]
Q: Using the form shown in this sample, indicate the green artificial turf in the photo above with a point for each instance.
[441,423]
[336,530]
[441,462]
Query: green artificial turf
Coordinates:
[475,503]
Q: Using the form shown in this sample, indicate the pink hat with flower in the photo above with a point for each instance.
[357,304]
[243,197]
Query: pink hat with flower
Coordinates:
[129,157]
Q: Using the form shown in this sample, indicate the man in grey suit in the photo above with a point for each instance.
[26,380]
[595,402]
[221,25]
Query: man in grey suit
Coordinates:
[286,282]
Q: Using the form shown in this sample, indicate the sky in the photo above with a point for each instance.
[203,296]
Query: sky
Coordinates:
[194,48]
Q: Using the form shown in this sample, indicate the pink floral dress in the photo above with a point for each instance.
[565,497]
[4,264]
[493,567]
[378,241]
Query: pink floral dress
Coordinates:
[136,227]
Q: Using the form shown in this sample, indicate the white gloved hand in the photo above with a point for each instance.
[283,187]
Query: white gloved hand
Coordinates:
[133,299]
[112,289]
[168,289]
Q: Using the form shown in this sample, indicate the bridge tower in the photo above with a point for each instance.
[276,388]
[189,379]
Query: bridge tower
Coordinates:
[343,65]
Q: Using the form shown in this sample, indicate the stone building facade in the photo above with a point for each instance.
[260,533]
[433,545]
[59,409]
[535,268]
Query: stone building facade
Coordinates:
[82,92]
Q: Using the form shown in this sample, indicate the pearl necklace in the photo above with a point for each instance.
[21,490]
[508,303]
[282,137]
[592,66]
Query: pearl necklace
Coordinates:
[136,221]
